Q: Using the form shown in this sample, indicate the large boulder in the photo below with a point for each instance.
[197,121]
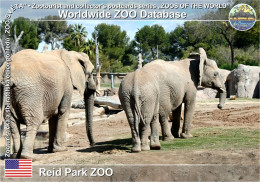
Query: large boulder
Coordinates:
[244,81]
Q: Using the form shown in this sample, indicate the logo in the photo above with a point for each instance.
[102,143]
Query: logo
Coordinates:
[242,17]
[18,168]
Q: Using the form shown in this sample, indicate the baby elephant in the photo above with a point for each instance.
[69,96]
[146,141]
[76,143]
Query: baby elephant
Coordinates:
[138,94]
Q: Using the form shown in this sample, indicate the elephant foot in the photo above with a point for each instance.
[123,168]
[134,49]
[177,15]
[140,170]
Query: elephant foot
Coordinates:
[59,149]
[168,138]
[136,149]
[15,156]
[185,136]
[176,135]
[50,149]
[145,147]
[27,156]
[155,144]
[92,144]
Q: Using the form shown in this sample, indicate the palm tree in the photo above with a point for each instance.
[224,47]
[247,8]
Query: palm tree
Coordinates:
[89,48]
[78,35]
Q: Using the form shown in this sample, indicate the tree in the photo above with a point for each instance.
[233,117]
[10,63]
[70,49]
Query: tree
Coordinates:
[116,50]
[233,37]
[111,36]
[29,40]
[53,31]
[149,38]
[89,49]
[78,35]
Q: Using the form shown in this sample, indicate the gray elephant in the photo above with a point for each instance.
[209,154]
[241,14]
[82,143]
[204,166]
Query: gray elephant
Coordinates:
[177,83]
[139,96]
[41,88]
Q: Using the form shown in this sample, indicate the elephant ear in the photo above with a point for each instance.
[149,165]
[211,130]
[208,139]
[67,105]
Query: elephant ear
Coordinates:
[77,69]
[203,59]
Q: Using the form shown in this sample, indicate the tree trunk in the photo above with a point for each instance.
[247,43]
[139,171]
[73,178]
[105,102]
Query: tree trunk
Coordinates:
[230,43]
[232,55]
[152,52]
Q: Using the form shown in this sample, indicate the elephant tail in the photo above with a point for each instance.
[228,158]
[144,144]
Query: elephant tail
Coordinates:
[137,105]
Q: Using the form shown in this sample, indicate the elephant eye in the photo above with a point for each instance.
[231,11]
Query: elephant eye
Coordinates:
[215,74]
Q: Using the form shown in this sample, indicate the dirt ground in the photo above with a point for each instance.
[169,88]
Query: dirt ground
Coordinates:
[235,115]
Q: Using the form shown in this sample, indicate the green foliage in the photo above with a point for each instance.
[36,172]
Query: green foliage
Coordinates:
[78,36]
[111,36]
[244,39]
[148,38]
[53,31]
[29,39]
[221,54]
[89,48]
[117,52]
[76,39]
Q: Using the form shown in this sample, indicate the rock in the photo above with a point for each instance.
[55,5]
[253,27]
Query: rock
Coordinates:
[99,111]
[112,101]
[77,101]
[206,93]
[78,105]
[244,81]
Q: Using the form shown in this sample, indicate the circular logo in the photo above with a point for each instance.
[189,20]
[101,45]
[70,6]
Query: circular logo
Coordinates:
[242,17]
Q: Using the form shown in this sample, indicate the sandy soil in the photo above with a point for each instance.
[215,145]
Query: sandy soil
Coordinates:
[234,115]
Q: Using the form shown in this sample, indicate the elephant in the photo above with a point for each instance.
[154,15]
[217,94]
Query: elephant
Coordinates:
[133,92]
[41,88]
[177,83]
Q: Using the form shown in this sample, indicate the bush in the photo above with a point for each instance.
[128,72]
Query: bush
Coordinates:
[222,55]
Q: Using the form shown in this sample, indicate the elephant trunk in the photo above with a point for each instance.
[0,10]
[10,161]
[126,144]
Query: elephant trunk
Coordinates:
[89,105]
[222,97]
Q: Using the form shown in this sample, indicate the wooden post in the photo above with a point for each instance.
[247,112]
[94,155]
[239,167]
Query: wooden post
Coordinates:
[112,81]
[98,66]
[157,54]
[140,61]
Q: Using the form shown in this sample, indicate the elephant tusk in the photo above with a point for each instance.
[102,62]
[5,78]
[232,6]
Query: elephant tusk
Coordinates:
[97,92]
[222,89]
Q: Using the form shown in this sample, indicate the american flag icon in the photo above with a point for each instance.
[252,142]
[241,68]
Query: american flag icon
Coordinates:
[18,168]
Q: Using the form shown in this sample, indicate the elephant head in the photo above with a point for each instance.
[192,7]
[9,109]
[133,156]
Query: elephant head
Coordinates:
[81,70]
[210,77]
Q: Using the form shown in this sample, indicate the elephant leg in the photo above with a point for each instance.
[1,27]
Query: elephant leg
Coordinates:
[52,131]
[188,116]
[144,134]
[27,151]
[63,115]
[136,142]
[58,144]
[155,143]
[166,132]
[128,107]
[176,119]
[16,135]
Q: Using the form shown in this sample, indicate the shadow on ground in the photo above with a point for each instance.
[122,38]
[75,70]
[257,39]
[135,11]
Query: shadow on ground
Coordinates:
[118,144]
[43,150]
